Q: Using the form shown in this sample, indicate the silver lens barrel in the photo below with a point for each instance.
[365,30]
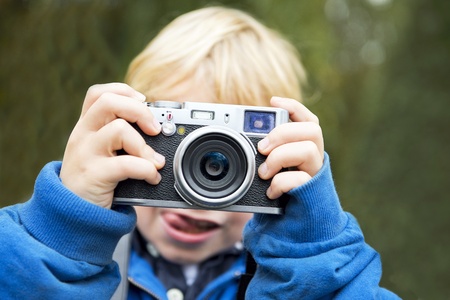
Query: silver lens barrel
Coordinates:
[214,167]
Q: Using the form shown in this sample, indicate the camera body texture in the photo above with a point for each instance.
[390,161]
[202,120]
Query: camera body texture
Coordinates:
[211,158]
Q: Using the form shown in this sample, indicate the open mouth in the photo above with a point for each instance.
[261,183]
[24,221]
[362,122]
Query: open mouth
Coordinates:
[188,229]
[190,225]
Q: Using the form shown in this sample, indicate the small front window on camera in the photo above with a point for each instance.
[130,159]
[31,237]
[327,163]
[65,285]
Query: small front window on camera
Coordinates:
[202,115]
[259,121]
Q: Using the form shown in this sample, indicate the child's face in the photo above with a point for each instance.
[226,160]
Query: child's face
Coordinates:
[190,236]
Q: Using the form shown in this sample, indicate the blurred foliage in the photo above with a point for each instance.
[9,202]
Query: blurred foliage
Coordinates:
[378,80]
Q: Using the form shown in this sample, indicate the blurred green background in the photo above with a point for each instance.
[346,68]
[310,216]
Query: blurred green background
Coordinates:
[378,80]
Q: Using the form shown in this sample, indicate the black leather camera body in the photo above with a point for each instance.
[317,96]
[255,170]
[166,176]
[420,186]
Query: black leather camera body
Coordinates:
[211,158]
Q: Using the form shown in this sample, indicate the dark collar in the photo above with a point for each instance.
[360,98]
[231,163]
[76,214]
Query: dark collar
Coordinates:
[171,274]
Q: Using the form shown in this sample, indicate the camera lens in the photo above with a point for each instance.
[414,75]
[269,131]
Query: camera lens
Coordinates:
[214,166]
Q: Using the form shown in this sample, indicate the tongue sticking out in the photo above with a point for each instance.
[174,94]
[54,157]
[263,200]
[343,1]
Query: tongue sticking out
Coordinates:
[189,225]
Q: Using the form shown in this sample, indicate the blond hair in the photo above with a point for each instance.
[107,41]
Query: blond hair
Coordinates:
[238,58]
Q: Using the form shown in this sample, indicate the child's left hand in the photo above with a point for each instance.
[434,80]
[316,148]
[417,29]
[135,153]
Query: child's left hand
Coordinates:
[297,145]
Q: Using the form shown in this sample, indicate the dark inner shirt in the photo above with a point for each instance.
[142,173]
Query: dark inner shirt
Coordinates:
[171,274]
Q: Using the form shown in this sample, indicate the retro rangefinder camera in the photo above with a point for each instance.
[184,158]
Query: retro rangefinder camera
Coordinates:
[211,158]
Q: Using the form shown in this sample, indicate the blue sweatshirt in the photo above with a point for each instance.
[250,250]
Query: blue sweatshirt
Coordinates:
[59,246]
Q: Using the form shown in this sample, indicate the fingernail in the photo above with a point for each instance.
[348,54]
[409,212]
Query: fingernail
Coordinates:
[139,96]
[262,170]
[156,124]
[158,178]
[159,158]
[269,193]
[263,144]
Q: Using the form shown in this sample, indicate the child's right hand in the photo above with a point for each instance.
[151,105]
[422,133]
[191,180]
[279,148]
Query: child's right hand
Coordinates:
[91,168]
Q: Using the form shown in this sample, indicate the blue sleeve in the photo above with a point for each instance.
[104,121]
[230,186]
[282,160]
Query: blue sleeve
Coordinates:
[314,251]
[59,246]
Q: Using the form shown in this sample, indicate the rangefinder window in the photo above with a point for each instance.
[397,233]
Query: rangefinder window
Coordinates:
[202,115]
[259,121]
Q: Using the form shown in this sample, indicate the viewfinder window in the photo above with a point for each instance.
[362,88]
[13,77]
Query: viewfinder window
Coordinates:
[259,121]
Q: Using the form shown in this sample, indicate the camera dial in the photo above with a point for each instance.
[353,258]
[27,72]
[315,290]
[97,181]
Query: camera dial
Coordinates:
[166,104]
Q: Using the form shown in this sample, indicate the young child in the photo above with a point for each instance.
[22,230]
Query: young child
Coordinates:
[59,244]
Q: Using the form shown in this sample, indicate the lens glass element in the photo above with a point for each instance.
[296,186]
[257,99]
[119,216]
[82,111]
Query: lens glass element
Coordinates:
[214,165]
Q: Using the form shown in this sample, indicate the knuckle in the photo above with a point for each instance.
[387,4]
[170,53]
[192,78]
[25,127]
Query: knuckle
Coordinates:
[119,85]
[108,88]
[120,163]
[120,126]
[278,181]
[316,129]
[310,148]
[272,159]
[104,97]
[282,182]
[127,165]
[314,118]
[94,88]
[301,178]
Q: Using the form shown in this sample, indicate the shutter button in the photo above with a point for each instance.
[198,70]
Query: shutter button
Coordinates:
[168,128]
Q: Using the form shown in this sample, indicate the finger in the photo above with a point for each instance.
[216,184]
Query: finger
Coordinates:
[285,181]
[95,91]
[124,167]
[112,106]
[292,132]
[118,135]
[302,155]
[96,182]
[297,111]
